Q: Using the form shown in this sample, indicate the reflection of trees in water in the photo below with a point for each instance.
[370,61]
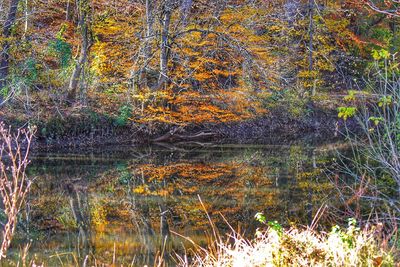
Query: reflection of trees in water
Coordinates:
[157,190]
[141,218]
[79,203]
[297,201]
[236,184]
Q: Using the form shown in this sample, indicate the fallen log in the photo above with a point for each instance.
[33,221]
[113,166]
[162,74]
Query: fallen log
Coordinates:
[172,136]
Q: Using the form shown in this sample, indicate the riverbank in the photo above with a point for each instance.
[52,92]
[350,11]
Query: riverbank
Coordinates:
[85,128]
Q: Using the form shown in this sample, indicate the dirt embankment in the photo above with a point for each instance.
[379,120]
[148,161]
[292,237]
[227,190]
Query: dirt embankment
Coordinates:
[277,127]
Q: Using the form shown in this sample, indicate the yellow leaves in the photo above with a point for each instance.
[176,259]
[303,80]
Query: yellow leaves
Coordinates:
[228,16]
[108,27]
[184,170]
[325,65]
[212,36]
[205,79]
[188,97]
[195,36]
[237,29]
[255,39]
[337,25]
[239,15]
[113,49]
[191,177]
[180,171]
[111,27]
[310,78]
[275,29]
[203,64]
[141,189]
[202,76]
[98,217]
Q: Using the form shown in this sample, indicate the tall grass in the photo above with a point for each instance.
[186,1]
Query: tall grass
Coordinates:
[297,247]
[277,246]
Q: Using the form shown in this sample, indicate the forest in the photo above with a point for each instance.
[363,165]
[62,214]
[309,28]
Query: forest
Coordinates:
[199,132]
[106,69]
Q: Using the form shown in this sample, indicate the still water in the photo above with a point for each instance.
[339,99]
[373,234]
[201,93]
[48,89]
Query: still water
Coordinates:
[126,204]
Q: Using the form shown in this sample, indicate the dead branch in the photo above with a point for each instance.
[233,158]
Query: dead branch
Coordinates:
[173,136]
[14,184]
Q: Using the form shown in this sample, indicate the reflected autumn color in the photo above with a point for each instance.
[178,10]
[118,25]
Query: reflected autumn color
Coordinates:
[123,204]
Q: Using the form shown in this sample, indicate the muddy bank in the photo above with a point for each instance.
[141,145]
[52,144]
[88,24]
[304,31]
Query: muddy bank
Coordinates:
[282,128]
[90,130]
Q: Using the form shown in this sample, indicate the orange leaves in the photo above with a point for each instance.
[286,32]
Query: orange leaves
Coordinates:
[225,73]
[190,52]
[195,108]
[179,176]
[202,76]
[205,70]
[192,177]
[187,171]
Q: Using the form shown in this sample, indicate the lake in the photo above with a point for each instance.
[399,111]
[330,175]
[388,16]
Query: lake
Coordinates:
[128,204]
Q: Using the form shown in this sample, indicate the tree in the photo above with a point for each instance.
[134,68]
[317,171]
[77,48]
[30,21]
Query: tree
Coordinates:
[164,42]
[5,52]
[84,16]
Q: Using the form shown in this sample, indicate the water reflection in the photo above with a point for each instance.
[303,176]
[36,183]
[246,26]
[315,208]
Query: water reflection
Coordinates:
[121,205]
[79,204]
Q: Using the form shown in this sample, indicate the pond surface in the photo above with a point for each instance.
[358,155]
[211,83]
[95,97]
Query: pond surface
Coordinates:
[125,204]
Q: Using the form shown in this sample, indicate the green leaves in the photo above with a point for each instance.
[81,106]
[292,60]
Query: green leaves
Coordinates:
[346,112]
[273,225]
[376,120]
[63,51]
[260,217]
[385,101]
[349,235]
[380,54]
[125,113]
[31,69]
[61,48]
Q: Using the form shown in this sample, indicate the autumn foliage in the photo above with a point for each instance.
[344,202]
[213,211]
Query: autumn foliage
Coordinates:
[186,62]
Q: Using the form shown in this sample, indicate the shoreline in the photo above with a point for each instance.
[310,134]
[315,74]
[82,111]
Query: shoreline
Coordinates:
[271,129]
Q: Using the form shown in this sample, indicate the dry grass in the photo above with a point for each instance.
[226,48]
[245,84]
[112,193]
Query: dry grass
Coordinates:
[295,247]
[277,246]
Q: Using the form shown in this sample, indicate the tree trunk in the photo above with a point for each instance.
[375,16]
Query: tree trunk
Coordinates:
[185,11]
[311,36]
[5,56]
[311,46]
[83,24]
[164,49]
[148,42]
[149,28]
